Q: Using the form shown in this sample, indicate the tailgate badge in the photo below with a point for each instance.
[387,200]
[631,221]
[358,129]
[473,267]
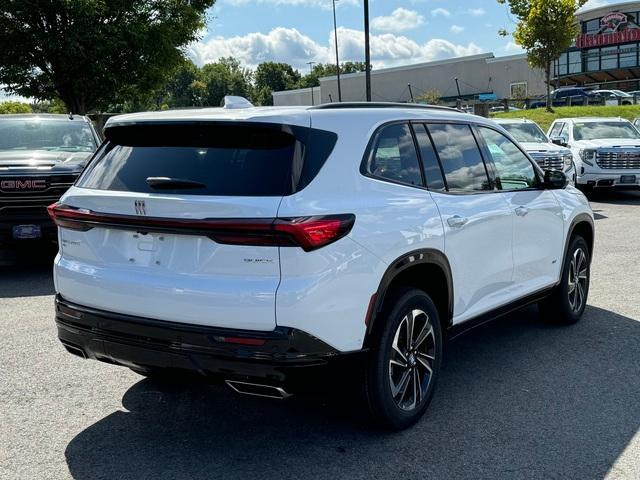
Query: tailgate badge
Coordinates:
[141,208]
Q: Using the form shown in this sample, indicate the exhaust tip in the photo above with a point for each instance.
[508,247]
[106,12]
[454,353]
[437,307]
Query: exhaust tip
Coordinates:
[258,390]
[74,350]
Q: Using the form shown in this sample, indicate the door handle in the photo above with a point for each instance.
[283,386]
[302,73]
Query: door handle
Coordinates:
[457,221]
[521,211]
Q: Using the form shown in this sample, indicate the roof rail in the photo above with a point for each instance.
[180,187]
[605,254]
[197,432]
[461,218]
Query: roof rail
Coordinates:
[346,105]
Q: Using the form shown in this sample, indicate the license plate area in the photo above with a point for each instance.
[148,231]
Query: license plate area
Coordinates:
[627,179]
[23,232]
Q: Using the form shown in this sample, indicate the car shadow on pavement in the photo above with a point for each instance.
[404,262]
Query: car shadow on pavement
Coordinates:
[25,273]
[518,398]
[616,197]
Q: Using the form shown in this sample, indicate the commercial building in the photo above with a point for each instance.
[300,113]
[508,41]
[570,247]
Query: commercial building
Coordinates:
[470,78]
[605,53]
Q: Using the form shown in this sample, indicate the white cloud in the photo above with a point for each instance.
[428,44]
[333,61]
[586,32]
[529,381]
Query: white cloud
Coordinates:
[400,20]
[440,12]
[513,47]
[290,46]
[476,12]
[456,28]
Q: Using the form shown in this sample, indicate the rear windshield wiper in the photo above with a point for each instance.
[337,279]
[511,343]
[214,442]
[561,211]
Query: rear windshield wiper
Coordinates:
[168,183]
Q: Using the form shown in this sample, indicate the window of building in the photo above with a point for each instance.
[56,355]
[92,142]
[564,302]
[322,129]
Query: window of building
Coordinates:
[593,59]
[629,55]
[562,64]
[394,156]
[609,58]
[519,90]
[575,62]
[460,157]
[592,26]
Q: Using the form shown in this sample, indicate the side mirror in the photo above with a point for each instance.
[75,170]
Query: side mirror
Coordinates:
[558,141]
[555,180]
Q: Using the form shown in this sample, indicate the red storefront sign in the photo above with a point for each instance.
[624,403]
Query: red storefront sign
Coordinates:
[615,28]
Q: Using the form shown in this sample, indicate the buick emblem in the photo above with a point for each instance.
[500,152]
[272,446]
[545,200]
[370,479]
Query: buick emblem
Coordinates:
[141,208]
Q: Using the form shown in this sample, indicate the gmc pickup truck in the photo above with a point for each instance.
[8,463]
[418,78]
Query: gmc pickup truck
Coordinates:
[40,158]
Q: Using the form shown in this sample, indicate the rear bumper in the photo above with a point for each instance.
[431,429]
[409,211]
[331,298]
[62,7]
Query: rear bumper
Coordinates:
[281,357]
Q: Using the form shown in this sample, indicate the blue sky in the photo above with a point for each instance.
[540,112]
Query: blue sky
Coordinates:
[403,31]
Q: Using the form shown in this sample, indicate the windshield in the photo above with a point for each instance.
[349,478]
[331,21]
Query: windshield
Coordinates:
[39,134]
[620,93]
[526,132]
[598,130]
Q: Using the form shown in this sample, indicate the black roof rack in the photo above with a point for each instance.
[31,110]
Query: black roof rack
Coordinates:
[341,105]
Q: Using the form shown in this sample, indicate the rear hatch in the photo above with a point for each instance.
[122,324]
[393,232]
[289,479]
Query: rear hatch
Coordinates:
[174,222]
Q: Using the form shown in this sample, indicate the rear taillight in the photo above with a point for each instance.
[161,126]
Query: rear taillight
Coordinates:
[309,233]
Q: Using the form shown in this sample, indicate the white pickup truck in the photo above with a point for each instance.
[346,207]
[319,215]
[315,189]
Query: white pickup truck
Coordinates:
[606,151]
[547,154]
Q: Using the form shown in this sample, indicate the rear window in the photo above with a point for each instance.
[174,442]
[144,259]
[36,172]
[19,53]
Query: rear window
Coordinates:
[219,159]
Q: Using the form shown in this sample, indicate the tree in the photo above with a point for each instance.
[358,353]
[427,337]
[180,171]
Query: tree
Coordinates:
[320,70]
[430,97]
[225,77]
[182,89]
[15,107]
[91,53]
[273,77]
[545,29]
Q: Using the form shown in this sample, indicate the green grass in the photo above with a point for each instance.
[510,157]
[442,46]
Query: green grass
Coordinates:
[544,118]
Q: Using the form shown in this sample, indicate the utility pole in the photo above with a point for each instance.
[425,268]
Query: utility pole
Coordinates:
[311,71]
[335,33]
[367,51]
[410,93]
[458,88]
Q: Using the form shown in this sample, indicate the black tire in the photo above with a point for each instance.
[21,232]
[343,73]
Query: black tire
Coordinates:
[384,373]
[567,302]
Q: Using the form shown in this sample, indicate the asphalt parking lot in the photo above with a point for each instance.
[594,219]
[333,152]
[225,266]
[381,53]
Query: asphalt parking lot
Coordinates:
[517,399]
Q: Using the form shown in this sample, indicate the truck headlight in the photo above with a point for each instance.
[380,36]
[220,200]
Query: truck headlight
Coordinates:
[568,161]
[588,156]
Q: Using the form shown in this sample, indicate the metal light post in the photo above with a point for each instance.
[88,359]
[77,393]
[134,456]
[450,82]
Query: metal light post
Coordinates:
[335,33]
[367,51]
[311,71]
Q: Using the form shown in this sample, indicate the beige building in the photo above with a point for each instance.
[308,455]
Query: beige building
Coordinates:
[479,77]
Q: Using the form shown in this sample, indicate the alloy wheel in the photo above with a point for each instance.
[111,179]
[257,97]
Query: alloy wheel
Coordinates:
[412,359]
[578,278]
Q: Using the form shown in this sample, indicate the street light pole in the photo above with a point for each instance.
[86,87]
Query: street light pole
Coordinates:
[311,71]
[367,51]
[335,32]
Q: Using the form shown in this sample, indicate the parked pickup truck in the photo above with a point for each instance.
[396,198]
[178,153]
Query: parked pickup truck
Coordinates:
[564,96]
[606,150]
[546,154]
[40,158]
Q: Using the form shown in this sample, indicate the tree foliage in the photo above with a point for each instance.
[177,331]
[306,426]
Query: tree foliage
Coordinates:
[15,107]
[92,53]
[545,29]
[312,79]
[273,77]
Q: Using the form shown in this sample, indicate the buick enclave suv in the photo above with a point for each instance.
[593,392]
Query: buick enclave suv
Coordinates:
[258,244]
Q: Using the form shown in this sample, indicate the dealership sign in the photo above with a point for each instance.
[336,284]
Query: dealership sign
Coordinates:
[615,28]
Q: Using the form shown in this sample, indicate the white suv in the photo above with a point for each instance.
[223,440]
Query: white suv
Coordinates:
[250,243]
[537,145]
[606,150]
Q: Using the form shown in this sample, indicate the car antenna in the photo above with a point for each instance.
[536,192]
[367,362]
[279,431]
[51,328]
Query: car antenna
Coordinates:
[70,115]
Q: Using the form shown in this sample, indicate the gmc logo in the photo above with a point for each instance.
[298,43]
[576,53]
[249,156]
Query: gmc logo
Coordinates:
[26,184]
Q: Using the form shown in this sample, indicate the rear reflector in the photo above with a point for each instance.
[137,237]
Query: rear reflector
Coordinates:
[309,233]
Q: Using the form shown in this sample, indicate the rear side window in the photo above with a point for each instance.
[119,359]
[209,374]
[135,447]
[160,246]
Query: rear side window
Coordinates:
[460,157]
[218,159]
[430,165]
[394,156]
